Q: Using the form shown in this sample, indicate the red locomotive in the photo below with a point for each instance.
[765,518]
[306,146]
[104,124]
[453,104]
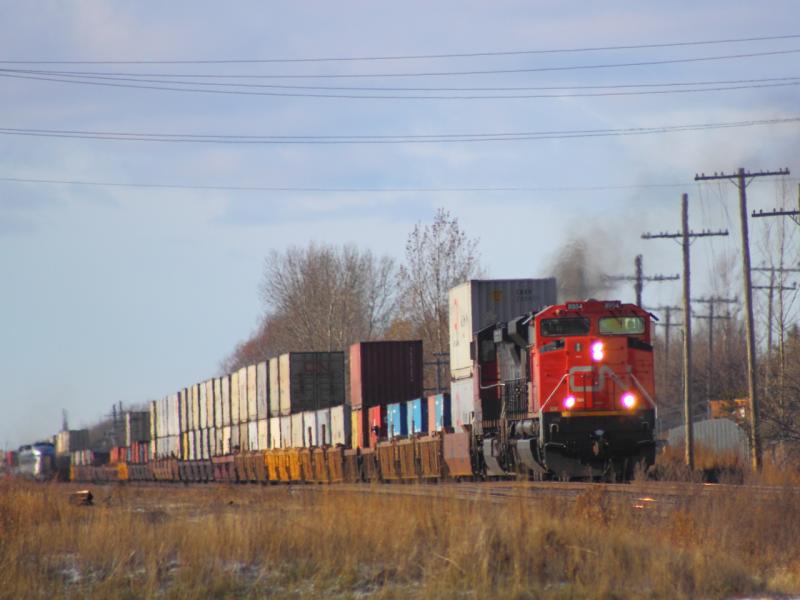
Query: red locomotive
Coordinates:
[567,392]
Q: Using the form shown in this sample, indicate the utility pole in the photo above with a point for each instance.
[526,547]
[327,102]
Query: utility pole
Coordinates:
[711,316]
[667,325]
[770,315]
[742,179]
[685,235]
[639,278]
[779,212]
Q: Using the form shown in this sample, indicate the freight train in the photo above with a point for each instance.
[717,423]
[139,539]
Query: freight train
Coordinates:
[562,391]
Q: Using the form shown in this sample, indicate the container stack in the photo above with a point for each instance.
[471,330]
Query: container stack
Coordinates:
[475,305]
[71,440]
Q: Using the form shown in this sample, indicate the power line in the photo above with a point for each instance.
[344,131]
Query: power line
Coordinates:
[669,61]
[221,88]
[408,56]
[284,86]
[239,188]
[382,139]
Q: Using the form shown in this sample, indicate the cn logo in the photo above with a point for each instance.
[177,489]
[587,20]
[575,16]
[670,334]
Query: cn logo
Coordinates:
[600,383]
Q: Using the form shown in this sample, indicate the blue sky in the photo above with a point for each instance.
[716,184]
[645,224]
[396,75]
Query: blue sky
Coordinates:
[125,294]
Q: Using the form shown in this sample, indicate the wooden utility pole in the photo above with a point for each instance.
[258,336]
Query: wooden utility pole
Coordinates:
[782,287]
[685,236]
[639,278]
[779,212]
[711,317]
[741,179]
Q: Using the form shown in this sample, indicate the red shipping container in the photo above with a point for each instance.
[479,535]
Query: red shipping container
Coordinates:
[377,425]
[384,373]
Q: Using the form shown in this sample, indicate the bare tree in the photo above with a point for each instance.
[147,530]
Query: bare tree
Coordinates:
[439,256]
[320,297]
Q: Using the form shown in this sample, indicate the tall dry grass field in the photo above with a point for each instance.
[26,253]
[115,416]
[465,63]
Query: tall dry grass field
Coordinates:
[281,542]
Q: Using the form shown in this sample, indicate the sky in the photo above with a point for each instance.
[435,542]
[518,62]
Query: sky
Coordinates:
[128,292]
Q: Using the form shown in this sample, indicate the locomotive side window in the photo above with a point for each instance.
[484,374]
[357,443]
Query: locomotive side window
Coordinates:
[565,326]
[621,325]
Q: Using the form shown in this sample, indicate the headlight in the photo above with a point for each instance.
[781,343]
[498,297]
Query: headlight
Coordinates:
[598,351]
[628,400]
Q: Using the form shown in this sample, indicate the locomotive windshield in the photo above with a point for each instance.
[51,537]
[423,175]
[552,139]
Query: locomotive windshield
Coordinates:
[621,325]
[565,326]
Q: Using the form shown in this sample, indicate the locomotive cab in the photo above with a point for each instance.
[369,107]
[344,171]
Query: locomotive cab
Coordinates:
[592,388]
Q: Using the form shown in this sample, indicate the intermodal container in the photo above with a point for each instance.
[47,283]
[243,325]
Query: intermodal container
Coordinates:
[297,431]
[226,439]
[183,411]
[243,395]
[340,425]
[235,441]
[252,436]
[359,428]
[225,384]
[217,383]
[439,417]
[397,419]
[244,437]
[323,427]
[310,428]
[153,431]
[252,397]
[477,303]
[274,388]
[310,381]
[382,373]
[263,434]
[720,436]
[463,405]
[137,427]
[274,432]
[71,440]
[202,407]
[235,398]
[194,407]
[417,416]
[377,425]
[210,404]
[286,431]
[262,390]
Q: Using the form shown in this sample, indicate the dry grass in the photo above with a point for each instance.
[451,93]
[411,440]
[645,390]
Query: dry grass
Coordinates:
[281,542]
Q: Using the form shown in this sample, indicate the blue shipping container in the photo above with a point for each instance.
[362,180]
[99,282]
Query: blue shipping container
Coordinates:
[397,419]
[439,412]
[417,415]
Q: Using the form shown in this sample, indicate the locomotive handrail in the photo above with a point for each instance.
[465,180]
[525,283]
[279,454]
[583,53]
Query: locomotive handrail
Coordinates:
[555,389]
[644,392]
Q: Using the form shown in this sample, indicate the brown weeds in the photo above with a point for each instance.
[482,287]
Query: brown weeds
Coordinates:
[299,541]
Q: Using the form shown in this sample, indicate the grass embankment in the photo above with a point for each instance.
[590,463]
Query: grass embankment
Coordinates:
[251,542]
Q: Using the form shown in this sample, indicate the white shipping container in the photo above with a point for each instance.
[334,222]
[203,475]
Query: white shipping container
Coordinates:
[252,436]
[310,429]
[209,403]
[183,412]
[218,402]
[244,437]
[262,391]
[243,395]
[340,425]
[297,431]
[252,400]
[194,408]
[234,398]
[225,384]
[263,434]
[286,431]
[274,388]
[201,405]
[174,418]
[284,384]
[477,303]
[226,439]
[463,403]
[275,432]
[205,442]
[324,427]
[192,446]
